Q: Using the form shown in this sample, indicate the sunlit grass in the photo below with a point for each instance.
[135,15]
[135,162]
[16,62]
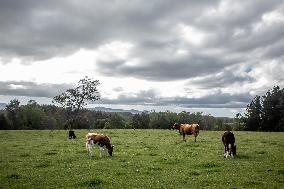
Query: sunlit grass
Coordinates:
[142,159]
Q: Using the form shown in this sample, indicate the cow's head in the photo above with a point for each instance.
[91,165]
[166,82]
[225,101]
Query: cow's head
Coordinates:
[176,126]
[110,150]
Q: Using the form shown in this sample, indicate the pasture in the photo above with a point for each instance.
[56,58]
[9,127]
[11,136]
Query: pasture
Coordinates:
[141,159]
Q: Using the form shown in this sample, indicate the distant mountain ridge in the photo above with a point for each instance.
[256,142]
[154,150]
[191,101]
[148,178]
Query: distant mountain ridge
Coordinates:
[103,109]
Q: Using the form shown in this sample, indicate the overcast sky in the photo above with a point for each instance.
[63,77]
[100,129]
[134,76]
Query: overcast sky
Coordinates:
[208,55]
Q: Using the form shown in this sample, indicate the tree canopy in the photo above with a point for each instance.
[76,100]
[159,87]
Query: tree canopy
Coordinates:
[75,99]
[266,113]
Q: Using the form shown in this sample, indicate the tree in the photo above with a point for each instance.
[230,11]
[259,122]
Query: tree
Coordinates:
[76,99]
[273,109]
[31,116]
[238,122]
[266,113]
[12,109]
[115,120]
[4,123]
[253,112]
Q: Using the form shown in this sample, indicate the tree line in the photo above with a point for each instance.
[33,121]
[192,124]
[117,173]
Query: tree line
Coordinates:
[36,116]
[264,113]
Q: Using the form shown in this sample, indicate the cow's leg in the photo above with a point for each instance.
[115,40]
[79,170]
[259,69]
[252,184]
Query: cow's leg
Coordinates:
[89,146]
[183,136]
[195,135]
[101,151]
[230,150]
[226,150]
[89,150]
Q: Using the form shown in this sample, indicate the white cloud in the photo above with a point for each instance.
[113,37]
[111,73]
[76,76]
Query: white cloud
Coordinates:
[113,50]
[267,21]
[191,34]
[56,70]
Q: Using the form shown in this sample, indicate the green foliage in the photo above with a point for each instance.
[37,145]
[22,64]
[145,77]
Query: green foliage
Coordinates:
[12,111]
[35,116]
[266,113]
[31,116]
[142,159]
[75,99]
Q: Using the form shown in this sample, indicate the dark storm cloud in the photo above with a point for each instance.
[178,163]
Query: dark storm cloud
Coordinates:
[165,69]
[224,79]
[44,29]
[151,97]
[145,97]
[31,89]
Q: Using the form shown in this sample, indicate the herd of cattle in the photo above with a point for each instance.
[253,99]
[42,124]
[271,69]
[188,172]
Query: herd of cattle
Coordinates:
[104,142]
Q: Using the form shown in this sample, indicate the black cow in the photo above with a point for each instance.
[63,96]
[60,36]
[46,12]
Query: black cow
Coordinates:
[228,140]
[72,134]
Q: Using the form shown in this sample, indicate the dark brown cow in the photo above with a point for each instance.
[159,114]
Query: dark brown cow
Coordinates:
[103,142]
[228,140]
[187,129]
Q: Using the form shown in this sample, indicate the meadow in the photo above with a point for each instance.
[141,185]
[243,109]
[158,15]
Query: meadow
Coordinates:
[141,159]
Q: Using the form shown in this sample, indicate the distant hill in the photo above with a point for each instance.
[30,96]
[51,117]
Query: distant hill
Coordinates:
[2,106]
[103,109]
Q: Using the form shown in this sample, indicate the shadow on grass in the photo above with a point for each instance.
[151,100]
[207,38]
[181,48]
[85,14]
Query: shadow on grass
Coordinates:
[24,155]
[50,153]
[242,156]
[254,184]
[43,165]
[281,172]
[13,176]
[208,165]
[91,183]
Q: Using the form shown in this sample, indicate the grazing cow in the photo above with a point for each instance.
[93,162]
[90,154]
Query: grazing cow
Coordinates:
[187,129]
[228,140]
[72,134]
[102,141]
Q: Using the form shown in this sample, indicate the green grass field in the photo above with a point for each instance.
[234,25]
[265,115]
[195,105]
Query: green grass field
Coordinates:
[142,159]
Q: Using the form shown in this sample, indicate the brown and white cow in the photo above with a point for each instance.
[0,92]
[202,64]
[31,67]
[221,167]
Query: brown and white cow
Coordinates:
[103,142]
[228,140]
[187,129]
